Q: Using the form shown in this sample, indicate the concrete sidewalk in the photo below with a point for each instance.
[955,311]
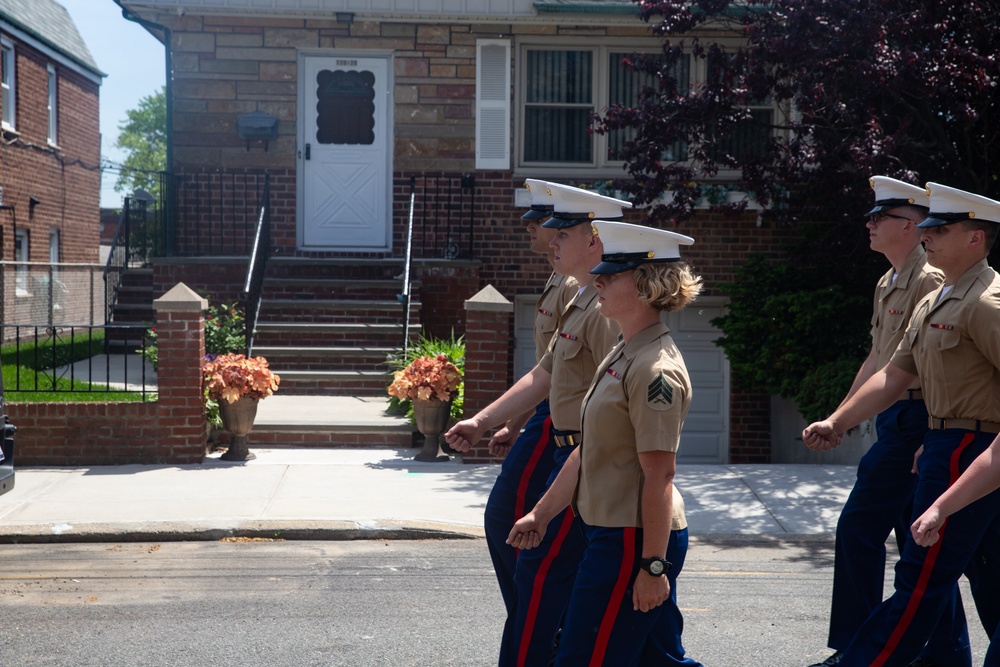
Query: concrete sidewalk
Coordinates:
[343,493]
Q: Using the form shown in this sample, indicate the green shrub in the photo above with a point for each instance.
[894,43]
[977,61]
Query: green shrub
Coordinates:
[790,330]
[453,348]
[225,332]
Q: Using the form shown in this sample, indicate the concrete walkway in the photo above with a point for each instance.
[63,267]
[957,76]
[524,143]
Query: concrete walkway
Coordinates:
[346,493]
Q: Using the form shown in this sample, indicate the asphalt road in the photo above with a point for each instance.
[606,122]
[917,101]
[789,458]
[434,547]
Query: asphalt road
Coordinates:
[749,601]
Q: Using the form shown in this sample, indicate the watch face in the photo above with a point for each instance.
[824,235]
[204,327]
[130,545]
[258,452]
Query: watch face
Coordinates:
[656,568]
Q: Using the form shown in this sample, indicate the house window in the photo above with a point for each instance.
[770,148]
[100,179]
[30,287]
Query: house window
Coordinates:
[558,100]
[624,86]
[53,246]
[749,138]
[53,105]
[21,255]
[7,84]
[560,87]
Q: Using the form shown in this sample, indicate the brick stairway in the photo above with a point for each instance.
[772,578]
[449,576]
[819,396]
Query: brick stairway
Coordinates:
[327,326]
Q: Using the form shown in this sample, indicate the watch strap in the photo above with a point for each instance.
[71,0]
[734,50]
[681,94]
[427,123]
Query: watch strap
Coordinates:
[646,564]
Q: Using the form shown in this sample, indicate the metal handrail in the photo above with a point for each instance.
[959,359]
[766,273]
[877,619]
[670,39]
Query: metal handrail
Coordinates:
[253,286]
[404,298]
[117,262]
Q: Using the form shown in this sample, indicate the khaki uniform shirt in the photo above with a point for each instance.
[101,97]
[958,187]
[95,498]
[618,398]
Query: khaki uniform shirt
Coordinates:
[953,344]
[585,337]
[559,291]
[895,301]
[637,403]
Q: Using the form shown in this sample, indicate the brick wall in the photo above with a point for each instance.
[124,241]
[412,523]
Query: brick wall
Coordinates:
[64,179]
[171,430]
[489,325]
[218,279]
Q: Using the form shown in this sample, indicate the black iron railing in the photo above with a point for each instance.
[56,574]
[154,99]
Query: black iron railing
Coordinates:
[214,212]
[138,238]
[261,252]
[444,214]
[103,359]
[117,262]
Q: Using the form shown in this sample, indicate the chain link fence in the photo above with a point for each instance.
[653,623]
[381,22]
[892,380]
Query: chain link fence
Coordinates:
[38,293]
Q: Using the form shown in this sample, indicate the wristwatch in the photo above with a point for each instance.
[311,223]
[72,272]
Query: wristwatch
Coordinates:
[655,566]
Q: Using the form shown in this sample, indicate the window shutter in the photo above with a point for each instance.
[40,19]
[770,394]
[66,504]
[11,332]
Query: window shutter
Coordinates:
[492,104]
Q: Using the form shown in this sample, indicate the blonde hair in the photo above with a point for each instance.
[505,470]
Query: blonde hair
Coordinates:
[667,286]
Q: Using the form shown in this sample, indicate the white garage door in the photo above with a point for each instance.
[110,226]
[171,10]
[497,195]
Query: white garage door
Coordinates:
[706,432]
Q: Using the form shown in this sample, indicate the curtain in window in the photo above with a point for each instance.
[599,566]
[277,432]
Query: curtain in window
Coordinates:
[558,102]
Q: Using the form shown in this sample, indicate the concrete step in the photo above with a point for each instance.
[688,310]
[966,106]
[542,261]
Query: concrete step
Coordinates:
[335,352]
[333,382]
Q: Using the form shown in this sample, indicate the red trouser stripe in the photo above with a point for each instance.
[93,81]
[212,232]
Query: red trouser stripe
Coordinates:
[926,569]
[617,598]
[529,470]
[539,585]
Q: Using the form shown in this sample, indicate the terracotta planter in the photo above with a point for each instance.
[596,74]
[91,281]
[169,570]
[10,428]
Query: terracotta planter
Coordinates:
[237,418]
[432,419]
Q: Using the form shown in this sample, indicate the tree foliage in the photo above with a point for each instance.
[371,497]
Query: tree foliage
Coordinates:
[903,88]
[143,135]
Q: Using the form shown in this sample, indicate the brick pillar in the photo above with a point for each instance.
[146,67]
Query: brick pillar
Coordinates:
[180,334]
[488,324]
[749,427]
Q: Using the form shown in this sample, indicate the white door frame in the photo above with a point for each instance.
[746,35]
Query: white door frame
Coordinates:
[300,138]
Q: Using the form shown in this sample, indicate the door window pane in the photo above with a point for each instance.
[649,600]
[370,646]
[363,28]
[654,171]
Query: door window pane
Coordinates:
[345,107]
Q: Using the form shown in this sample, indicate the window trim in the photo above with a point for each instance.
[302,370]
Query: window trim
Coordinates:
[52,101]
[9,121]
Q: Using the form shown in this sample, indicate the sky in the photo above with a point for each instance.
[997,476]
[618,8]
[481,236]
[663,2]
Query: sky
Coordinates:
[133,61]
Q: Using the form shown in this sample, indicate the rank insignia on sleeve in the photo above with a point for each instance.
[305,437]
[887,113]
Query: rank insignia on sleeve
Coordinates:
[660,394]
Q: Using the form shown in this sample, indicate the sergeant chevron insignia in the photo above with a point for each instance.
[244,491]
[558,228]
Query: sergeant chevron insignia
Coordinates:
[660,393]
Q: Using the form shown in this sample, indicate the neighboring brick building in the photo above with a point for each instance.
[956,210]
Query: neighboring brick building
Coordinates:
[50,153]
[367,94]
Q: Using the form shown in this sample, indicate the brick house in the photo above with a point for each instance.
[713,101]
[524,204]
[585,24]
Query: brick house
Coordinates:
[347,104]
[50,154]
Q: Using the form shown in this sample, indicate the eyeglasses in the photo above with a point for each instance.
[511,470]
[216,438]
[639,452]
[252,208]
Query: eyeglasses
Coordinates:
[879,217]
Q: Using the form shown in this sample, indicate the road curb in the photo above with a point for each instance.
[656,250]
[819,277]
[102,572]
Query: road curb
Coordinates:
[256,530]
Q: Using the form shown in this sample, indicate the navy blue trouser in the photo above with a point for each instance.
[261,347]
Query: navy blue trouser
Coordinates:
[524,476]
[544,579]
[601,626]
[882,499]
[893,635]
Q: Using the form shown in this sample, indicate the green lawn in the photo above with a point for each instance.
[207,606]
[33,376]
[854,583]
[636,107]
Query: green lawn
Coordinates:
[28,370]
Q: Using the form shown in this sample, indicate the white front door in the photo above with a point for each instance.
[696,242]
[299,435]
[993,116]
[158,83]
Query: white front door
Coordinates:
[344,158]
